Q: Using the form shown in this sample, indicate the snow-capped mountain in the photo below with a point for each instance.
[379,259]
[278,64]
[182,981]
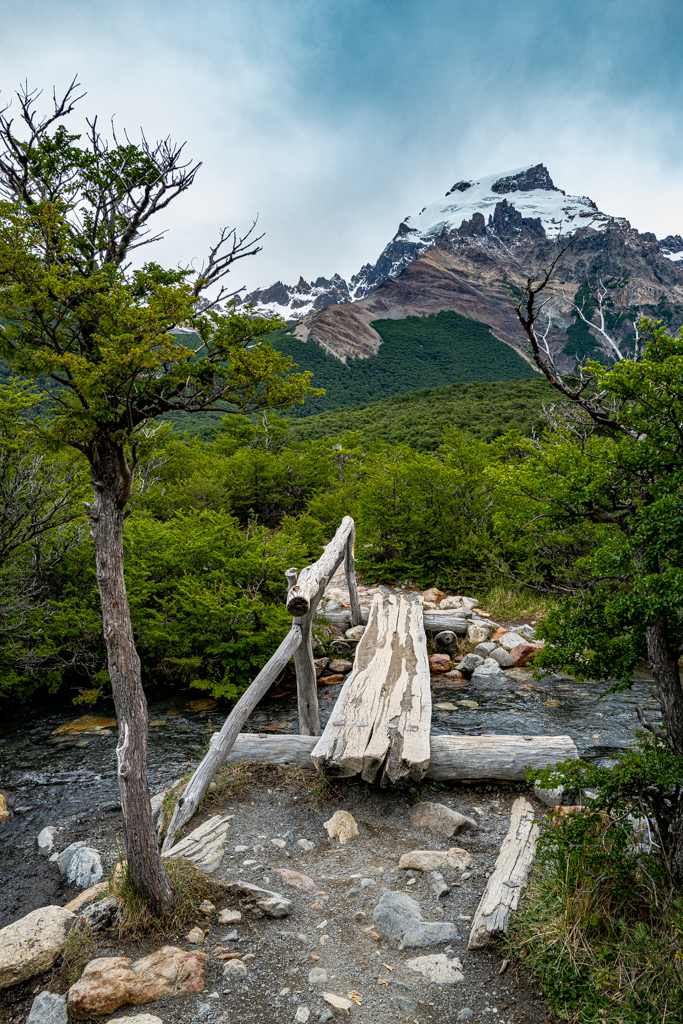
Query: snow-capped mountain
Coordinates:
[524,201]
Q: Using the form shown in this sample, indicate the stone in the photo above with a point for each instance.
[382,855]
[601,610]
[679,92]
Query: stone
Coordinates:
[433,595]
[437,969]
[109,982]
[279,843]
[64,858]
[100,915]
[325,1015]
[465,1013]
[296,879]
[207,907]
[524,653]
[229,916]
[485,649]
[205,845]
[195,936]
[446,642]
[306,845]
[48,1008]
[478,632]
[32,944]
[436,860]
[400,918]
[340,665]
[338,1002]
[469,663]
[510,640]
[498,633]
[528,632]
[365,883]
[302,1014]
[438,884]
[439,663]
[502,657]
[438,818]
[83,865]
[235,971]
[341,824]
[317,976]
[4,809]
[490,675]
[550,797]
[271,903]
[88,896]
[355,633]
[141,1018]
[450,603]
[46,841]
[320,665]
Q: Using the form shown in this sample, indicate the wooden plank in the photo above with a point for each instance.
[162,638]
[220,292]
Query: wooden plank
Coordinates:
[223,741]
[306,588]
[504,887]
[433,621]
[382,717]
[470,758]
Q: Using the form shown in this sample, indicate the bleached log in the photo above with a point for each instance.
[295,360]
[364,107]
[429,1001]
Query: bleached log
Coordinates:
[222,742]
[306,588]
[433,621]
[205,846]
[306,682]
[382,717]
[350,570]
[504,887]
[469,758]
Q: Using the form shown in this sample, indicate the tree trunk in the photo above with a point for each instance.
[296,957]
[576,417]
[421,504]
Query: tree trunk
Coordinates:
[144,861]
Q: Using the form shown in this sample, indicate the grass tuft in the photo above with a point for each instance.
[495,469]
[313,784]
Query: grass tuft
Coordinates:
[78,950]
[517,603]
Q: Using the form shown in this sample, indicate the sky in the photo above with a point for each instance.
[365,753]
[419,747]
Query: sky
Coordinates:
[334,119]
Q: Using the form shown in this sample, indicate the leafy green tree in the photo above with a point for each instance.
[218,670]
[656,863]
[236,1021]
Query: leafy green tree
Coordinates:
[73,210]
[618,464]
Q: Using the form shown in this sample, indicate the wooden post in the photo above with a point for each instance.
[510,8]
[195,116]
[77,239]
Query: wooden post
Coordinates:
[350,570]
[306,683]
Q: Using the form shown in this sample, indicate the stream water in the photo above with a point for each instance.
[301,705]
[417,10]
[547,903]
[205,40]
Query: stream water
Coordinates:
[53,776]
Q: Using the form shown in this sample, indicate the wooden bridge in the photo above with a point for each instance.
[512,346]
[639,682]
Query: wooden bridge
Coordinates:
[380,725]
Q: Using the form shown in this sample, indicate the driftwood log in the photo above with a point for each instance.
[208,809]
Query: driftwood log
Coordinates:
[434,621]
[222,741]
[468,758]
[504,887]
[382,719]
[306,590]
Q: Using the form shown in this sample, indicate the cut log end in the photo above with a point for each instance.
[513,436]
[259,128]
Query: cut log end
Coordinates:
[298,605]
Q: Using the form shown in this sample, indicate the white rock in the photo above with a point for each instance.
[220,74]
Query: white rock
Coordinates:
[48,1008]
[31,945]
[550,797]
[279,843]
[85,867]
[338,1002]
[355,633]
[479,632]
[229,917]
[317,976]
[66,856]
[302,1014]
[140,1018]
[510,640]
[235,970]
[435,860]
[437,968]
[306,845]
[450,602]
[46,842]
[528,632]
[438,818]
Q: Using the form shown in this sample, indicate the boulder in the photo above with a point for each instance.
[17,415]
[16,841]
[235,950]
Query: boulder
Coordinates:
[100,915]
[433,595]
[64,858]
[438,818]
[439,663]
[510,640]
[31,945]
[341,824]
[446,642]
[525,653]
[340,665]
[528,632]
[438,968]
[400,918]
[490,675]
[435,860]
[355,632]
[450,603]
[109,982]
[485,649]
[469,663]
[85,867]
[478,632]
[48,1008]
[502,657]
[46,841]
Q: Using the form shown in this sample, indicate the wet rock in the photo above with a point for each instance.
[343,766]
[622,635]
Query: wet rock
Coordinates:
[109,982]
[229,917]
[524,653]
[235,971]
[446,642]
[438,818]
[478,632]
[439,663]
[469,663]
[437,968]
[306,845]
[317,976]
[436,860]
[99,916]
[438,884]
[433,595]
[296,879]
[31,945]
[400,918]
[502,657]
[46,841]
[48,1008]
[341,824]
[340,665]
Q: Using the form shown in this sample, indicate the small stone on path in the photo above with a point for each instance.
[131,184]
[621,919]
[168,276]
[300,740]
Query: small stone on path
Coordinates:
[207,907]
[438,818]
[302,1014]
[434,860]
[306,845]
[400,918]
[229,916]
[341,824]
[195,936]
[235,970]
[338,1002]
[317,976]
[438,969]
[296,879]
[279,843]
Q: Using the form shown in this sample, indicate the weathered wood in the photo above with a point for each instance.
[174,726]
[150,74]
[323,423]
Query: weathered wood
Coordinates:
[496,757]
[350,570]
[382,717]
[504,887]
[306,683]
[220,746]
[306,588]
[469,758]
[433,621]
[205,846]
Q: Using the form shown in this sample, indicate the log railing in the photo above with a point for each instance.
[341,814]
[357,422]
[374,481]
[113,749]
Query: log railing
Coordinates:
[305,591]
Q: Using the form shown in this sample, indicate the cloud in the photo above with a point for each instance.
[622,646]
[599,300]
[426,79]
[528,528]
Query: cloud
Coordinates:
[334,121]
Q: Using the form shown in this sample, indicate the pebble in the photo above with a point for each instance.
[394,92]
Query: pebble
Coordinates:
[279,843]
[46,841]
[306,845]
[438,969]
[207,907]
[229,917]
[365,882]
[241,849]
[317,976]
[465,1013]
[230,936]
[302,1014]
[195,936]
[235,970]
